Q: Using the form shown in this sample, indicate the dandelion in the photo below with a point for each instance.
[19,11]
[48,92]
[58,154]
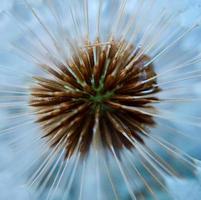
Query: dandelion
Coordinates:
[95,103]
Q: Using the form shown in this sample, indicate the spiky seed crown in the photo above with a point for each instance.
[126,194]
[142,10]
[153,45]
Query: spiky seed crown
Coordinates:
[90,95]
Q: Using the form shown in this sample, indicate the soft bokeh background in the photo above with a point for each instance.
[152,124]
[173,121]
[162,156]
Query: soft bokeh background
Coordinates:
[10,186]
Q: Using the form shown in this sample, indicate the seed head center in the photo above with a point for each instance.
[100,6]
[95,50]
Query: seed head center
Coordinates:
[100,95]
[98,91]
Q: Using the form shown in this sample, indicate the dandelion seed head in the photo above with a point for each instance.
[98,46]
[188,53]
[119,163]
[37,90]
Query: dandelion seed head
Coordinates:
[92,86]
[103,87]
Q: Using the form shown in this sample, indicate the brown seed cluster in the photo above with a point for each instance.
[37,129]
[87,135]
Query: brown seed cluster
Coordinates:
[92,94]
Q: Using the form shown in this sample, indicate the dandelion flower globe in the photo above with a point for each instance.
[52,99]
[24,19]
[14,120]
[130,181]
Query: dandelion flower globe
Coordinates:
[99,99]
